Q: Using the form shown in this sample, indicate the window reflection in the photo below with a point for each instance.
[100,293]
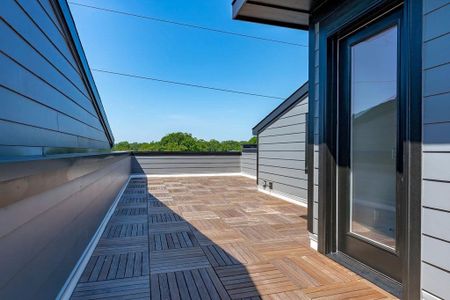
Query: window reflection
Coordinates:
[374,137]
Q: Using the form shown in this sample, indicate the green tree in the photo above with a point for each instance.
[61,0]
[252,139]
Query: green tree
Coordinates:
[181,141]
[122,146]
[178,141]
[253,140]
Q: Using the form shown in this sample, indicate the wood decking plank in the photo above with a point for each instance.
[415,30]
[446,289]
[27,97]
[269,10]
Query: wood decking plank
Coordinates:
[211,238]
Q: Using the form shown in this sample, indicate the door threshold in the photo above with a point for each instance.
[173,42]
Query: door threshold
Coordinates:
[382,281]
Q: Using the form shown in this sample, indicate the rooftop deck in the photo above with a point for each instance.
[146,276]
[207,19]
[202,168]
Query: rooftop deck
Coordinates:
[211,238]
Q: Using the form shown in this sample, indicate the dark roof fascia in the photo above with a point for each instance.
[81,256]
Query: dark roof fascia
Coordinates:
[237,6]
[72,30]
[292,100]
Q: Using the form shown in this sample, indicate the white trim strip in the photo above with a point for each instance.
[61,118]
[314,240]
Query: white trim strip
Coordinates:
[72,280]
[185,175]
[282,197]
[313,241]
[248,176]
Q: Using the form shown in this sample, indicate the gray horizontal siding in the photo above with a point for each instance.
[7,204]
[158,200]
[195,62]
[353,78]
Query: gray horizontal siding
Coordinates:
[436,149]
[201,164]
[281,154]
[248,163]
[44,97]
[50,212]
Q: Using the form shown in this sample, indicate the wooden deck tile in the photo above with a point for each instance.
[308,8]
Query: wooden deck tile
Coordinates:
[177,260]
[130,288]
[211,238]
[253,280]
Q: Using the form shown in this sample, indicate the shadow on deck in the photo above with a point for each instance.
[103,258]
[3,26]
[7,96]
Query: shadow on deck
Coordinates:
[211,238]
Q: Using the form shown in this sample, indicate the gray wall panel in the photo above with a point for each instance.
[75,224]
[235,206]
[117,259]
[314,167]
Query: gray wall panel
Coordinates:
[294,137]
[435,252]
[49,228]
[21,23]
[293,128]
[436,148]
[20,51]
[434,137]
[436,165]
[47,6]
[429,5]
[17,108]
[46,98]
[436,22]
[27,84]
[37,13]
[435,80]
[291,155]
[292,192]
[435,281]
[173,164]
[248,163]
[438,223]
[436,194]
[282,154]
[435,52]
[282,163]
[436,108]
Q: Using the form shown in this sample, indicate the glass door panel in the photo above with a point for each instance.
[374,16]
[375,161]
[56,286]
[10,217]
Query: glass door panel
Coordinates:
[370,151]
[373,137]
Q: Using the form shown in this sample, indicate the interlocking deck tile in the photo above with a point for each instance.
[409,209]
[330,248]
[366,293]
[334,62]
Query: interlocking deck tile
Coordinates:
[211,238]
[254,280]
[177,260]
[190,284]
[115,266]
[130,288]
[125,230]
[172,240]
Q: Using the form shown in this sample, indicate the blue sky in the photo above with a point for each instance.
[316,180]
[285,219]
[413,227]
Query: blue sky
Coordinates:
[142,110]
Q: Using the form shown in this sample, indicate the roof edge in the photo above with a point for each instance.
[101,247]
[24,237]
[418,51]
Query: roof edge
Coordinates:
[298,96]
[73,35]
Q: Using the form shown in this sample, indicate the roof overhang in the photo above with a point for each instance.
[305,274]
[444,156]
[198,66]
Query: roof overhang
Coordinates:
[286,13]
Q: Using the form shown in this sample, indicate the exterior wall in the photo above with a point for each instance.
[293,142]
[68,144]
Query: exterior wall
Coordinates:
[248,161]
[436,150]
[281,154]
[191,163]
[49,211]
[46,106]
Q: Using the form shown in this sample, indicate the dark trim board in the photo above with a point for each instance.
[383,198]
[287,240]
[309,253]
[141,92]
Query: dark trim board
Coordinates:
[334,20]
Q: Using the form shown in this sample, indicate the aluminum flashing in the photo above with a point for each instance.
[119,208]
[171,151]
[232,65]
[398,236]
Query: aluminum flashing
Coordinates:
[292,100]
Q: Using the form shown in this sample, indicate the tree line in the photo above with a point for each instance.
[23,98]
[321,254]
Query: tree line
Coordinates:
[181,141]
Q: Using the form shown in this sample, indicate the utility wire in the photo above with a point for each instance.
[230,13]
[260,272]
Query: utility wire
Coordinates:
[188,25]
[187,84]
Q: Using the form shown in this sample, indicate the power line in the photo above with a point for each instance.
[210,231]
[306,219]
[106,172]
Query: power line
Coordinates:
[188,25]
[187,84]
